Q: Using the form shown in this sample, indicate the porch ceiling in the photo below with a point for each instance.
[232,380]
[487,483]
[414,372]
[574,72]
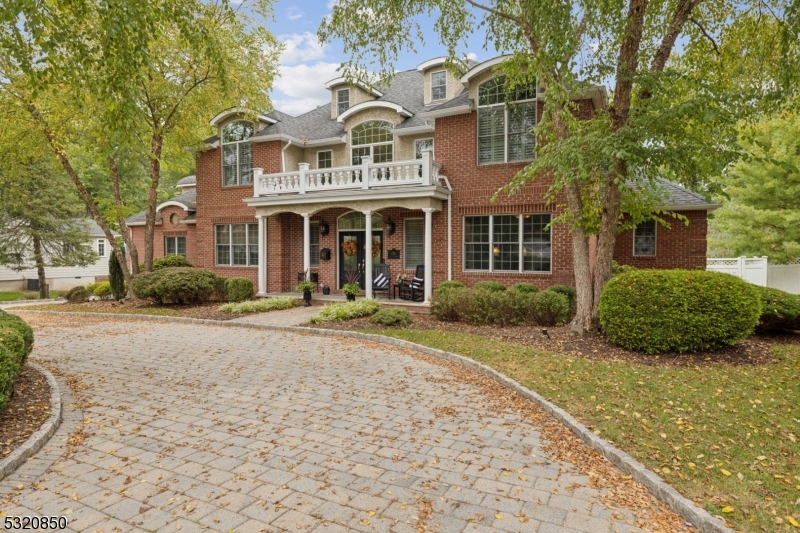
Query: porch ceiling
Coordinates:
[370,200]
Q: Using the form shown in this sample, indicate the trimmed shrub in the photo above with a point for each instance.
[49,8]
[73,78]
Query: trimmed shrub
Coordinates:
[392,317]
[490,286]
[488,306]
[100,289]
[177,285]
[450,304]
[567,291]
[521,305]
[617,269]
[77,295]
[16,342]
[260,306]
[238,289]
[524,287]
[658,311]
[346,310]
[452,284]
[171,261]
[780,311]
[549,308]
[220,289]
[116,278]
[21,327]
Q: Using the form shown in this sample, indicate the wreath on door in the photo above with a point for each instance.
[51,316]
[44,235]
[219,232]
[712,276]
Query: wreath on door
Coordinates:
[349,248]
[376,248]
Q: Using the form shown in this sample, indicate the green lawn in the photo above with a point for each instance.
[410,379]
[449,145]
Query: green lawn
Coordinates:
[727,437]
[10,296]
[80,308]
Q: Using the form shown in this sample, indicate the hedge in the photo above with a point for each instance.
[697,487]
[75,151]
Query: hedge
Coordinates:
[780,311]
[490,286]
[658,311]
[176,285]
[483,306]
[238,289]
[524,287]
[16,343]
[452,284]
[567,291]
[171,261]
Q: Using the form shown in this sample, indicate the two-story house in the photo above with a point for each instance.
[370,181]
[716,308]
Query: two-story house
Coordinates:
[400,174]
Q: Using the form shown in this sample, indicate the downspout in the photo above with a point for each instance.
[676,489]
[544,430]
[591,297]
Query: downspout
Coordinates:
[283,156]
[449,229]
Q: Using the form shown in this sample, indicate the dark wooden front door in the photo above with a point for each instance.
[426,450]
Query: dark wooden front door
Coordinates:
[357,261]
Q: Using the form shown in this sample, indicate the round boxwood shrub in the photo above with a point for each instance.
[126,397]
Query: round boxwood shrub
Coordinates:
[452,304]
[100,289]
[16,342]
[238,289]
[524,287]
[21,327]
[550,308]
[567,291]
[177,285]
[780,311]
[495,286]
[452,284]
[489,306]
[392,317]
[171,261]
[77,294]
[658,311]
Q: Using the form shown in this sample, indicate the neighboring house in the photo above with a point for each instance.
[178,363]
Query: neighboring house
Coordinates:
[63,278]
[410,168]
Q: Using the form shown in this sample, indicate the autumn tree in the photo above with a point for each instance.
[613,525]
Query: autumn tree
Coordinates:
[605,168]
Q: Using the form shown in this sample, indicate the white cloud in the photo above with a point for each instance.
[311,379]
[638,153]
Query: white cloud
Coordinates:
[301,88]
[294,13]
[330,4]
[473,56]
[301,47]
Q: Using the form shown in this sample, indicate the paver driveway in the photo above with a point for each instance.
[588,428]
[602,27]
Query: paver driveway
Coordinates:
[194,427]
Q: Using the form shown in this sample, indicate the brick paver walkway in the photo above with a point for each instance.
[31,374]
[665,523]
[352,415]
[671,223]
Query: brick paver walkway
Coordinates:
[205,428]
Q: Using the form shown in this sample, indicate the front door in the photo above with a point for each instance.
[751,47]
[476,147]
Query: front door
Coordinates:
[353,255]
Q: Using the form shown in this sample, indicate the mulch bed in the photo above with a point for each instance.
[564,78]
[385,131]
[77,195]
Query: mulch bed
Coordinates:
[208,311]
[754,350]
[25,413]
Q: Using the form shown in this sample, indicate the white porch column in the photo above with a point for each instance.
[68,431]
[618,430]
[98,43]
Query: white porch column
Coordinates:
[262,254]
[306,244]
[368,265]
[428,252]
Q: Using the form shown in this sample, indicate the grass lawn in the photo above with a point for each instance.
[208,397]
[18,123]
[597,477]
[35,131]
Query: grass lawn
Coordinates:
[727,437]
[88,308]
[10,296]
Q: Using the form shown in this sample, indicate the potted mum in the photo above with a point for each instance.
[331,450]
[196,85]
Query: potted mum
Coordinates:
[351,288]
[306,287]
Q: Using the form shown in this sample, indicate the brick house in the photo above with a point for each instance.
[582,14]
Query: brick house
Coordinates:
[410,168]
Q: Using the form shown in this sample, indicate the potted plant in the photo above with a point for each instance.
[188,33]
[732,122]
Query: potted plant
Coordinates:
[351,288]
[306,287]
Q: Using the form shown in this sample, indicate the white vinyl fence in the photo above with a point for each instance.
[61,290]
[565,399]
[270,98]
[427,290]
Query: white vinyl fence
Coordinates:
[759,271]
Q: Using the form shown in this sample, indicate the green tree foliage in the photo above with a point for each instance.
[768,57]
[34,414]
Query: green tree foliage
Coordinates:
[763,214]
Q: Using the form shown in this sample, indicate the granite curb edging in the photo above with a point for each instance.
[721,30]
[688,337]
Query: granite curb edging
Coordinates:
[41,437]
[664,492]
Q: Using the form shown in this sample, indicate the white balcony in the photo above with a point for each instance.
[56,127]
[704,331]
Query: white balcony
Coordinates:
[366,176]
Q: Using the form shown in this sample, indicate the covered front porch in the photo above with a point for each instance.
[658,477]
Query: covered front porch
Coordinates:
[325,299]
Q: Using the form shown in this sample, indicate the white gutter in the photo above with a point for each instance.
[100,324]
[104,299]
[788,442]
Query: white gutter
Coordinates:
[449,229]
[283,155]
[281,137]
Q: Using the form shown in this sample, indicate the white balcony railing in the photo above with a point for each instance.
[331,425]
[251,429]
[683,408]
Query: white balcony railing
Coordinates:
[367,175]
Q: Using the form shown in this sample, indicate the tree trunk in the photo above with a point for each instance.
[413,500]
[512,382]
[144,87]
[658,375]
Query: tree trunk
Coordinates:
[44,293]
[133,254]
[152,200]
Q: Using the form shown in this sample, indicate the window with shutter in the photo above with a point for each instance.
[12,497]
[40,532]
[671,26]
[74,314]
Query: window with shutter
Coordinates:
[414,240]
[505,124]
[237,153]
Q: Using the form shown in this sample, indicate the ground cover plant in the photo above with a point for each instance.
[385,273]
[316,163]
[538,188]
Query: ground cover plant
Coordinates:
[346,310]
[392,317]
[260,306]
[724,435]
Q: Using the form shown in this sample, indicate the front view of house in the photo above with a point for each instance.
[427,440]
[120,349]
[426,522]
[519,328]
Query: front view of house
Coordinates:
[399,176]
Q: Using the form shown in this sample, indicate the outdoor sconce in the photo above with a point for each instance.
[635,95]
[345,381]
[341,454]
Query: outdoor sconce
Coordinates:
[496,250]
[325,254]
[324,228]
[390,226]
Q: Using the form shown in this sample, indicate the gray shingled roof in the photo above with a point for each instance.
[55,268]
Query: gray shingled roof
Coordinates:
[461,99]
[679,197]
[188,198]
[141,217]
[314,125]
[188,181]
[96,231]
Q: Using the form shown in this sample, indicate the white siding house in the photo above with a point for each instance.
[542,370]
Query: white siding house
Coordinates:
[63,278]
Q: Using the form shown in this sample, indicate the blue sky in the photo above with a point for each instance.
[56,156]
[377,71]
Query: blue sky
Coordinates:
[306,65]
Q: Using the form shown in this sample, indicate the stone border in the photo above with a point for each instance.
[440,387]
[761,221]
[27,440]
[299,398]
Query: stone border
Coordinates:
[679,504]
[36,441]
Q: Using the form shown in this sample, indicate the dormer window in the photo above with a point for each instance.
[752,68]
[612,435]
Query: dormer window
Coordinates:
[505,122]
[237,153]
[342,101]
[438,85]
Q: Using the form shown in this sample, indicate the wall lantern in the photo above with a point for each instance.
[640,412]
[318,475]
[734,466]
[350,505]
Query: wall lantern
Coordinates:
[390,226]
[324,228]
[496,251]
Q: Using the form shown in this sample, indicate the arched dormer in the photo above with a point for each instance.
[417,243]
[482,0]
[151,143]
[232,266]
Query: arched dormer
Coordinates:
[373,138]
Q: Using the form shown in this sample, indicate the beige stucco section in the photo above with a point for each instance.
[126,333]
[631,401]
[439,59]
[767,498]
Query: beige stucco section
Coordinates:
[339,154]
[357,95]
[404,145]
[292,157]
[454,86]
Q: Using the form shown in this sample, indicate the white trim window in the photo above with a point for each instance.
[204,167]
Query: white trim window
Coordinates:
[413,243]
[325,159]
[420,145]
[237,153]
[508,243]
[314,244]
[236,244]
[175,246]
[374,138]
[439,85]
[505,122]
[342,101]
[101,247]
[644,239]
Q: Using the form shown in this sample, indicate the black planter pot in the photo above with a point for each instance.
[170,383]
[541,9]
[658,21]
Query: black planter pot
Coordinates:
[326,290]
[307,298]
[351,297]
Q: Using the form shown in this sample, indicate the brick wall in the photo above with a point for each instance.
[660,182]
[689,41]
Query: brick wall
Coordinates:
[679,246]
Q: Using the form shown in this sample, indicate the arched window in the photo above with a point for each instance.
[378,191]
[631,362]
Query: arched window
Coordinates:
[237,153]
[373,138]
[505,124]
[357,220]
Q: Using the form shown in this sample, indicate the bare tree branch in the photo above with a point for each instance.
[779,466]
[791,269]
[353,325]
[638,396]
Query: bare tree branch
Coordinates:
[709,37]
[497,12]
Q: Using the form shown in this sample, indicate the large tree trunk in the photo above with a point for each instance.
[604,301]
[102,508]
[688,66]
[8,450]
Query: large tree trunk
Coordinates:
[123,227]
[76,180]
[152,200]
[44,293]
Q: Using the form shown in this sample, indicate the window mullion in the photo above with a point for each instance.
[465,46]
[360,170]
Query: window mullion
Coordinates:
[519,251]
[491,243]
[230,244]
[505,132]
